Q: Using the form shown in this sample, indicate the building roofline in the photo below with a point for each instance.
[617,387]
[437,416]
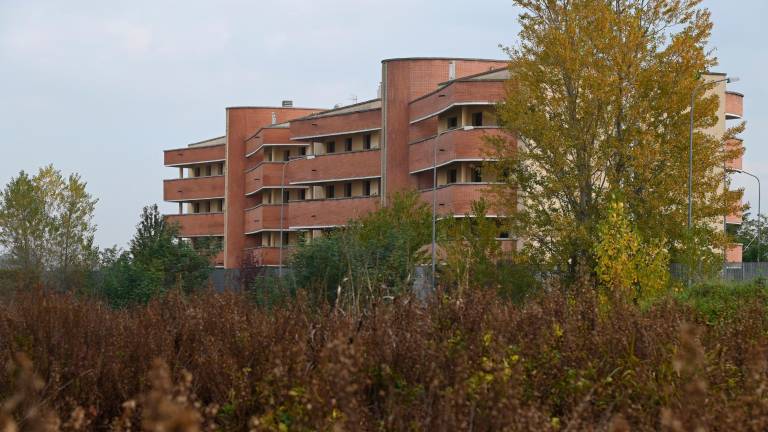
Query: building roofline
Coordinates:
[441,58]
[283,125]
[734,93]
[272,107]
[329,113]
[470,77]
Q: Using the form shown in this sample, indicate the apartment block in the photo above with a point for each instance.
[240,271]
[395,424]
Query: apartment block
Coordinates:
[282,174]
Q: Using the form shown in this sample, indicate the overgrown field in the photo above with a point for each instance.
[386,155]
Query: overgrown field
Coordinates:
[554,363]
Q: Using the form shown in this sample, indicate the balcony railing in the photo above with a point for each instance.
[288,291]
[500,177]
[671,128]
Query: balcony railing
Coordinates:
[456,199]
[335,166]
[268,174]
[458,144]
[265,217]
[330,212]
[198,224]
[193,188]
[194,155]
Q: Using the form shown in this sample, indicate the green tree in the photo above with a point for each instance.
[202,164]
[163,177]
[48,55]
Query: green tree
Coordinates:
[747,236]
[598,100]
[156,262]
[46,224]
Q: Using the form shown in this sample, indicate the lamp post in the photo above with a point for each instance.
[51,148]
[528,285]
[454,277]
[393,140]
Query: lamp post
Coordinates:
[434,199]
[690,154]
[759,196]
[282,211]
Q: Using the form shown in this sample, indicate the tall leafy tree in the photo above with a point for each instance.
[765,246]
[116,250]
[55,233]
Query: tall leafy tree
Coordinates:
[46,224]
[598,100]
[747,235]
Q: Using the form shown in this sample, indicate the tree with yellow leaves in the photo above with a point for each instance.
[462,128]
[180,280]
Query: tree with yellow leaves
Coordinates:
[598,100]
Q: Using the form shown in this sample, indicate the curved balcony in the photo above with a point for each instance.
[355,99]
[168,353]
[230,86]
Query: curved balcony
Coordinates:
[193,188]
[329,213]
[734,105]
[457,93]
[268,174]
[264,217]
[198,224]
[265,256]
[456,199]
[458,144]
[336,124]
[335,166]
[734,219]
[194,155]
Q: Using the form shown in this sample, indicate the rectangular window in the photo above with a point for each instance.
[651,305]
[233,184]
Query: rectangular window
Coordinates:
[330,191]
[477,175]
[221,168]
[347,190]
[367,141]
[452,122]
[286,196]
[367,188]
[303,151]
[453,175]
[330,147]
[286,155]
[196,207]
[221,205]
[477,119]
[348,145]
[286,238]
[197,171]
[302,194]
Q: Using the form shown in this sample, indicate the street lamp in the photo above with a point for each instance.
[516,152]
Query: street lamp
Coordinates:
[759,195]
[690,154]
[434,199]
[282,209]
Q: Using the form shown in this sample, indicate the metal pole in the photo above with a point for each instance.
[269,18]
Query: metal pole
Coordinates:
[434,207]
[282,211]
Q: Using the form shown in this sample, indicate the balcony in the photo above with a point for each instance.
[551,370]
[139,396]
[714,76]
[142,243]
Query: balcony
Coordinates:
[268,174]
[266,256]
[457,93]
[734,105]
[335,166]
[458,144]
[264,217]
[193,188]
[456,199]
[198,224]
[330,212]
[734,253]
[194,155]
[337,124]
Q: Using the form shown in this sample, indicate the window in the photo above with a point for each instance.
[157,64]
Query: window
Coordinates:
[367,141]
[196,207]
[348,145]
[208,170]
[347,190]
[504,235]
[477,175]
[302,194]
[286,155]
[286,239]
[221,205]
[197,171]
[477,119]
[453,175]
[286,196]
[221,168]
[452,122]
[367,188]
[330,191]
[330,147]
[303,151]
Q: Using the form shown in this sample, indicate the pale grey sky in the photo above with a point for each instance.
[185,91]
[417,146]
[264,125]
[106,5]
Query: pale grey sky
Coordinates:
[102,87]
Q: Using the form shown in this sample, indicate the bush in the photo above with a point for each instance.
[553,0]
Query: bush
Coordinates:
[721,301]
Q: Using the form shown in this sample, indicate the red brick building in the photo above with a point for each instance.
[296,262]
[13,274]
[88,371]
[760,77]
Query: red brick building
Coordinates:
[291,172]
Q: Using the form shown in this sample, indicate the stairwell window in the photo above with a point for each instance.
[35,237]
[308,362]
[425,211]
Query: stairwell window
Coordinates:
[477,119]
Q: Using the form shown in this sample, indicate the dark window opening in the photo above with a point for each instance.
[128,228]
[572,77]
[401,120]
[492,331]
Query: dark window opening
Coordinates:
[347,190]
[348,145]
[330,191]
[367,141]
[286,238]
[286,196]
[477,175]
[286,155]
[453,175]
[196,207]
[197,171]
[367,188]
[477,119]
[504,235]
[453,122]
[302,194]
[330,147]
[303,151]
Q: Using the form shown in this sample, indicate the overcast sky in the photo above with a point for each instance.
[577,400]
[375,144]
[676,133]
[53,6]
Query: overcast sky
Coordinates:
[102,87]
